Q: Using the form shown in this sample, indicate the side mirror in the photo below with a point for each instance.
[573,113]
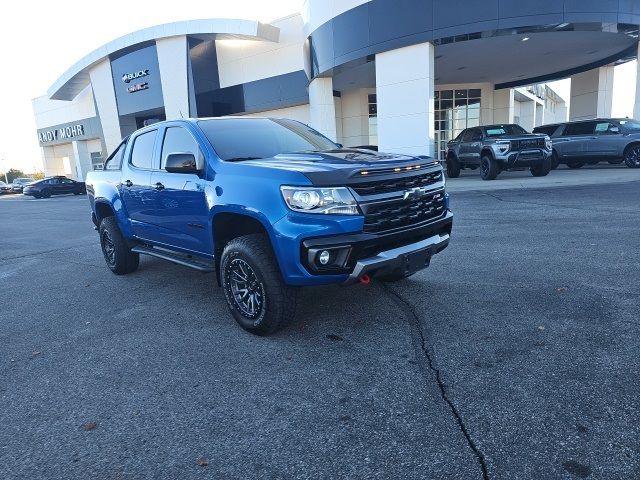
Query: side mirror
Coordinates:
[181,163]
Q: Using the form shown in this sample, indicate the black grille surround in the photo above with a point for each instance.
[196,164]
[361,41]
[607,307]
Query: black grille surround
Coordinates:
[400,201]
[524,144]
[400,213]
[397,184]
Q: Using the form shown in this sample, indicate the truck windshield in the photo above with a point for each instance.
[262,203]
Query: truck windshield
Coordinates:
[499,130]
[237,139]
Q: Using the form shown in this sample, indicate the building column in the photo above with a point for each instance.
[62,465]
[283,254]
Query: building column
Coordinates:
[105,98]
[82,159]
[322,109]
[528,115]
[404,89]
[636,107]
[503,105]
[173,63]
[591,94]
[539,119]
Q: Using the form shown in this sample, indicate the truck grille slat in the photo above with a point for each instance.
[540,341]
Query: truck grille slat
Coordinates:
[395,185]
[389,215]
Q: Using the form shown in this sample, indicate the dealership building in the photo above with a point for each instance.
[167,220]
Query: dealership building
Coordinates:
[406,75]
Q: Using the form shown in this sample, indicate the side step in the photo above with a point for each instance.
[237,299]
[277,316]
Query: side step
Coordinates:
[184,260]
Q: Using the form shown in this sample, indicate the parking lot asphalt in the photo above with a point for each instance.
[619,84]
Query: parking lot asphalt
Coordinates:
[515,355]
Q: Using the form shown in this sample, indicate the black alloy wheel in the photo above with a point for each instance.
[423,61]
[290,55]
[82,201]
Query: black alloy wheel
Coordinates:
[632,156]
[247,291]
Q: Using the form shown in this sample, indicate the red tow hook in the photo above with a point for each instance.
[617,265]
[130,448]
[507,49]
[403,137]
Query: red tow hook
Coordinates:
[365,279]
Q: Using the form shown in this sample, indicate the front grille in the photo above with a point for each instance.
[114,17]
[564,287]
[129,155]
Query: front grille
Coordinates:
[397,184]
[396,214]
[527,143]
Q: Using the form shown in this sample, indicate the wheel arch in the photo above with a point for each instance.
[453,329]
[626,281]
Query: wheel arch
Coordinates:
[228,225]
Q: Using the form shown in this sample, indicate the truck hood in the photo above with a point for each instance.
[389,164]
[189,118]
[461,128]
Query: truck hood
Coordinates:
[338,166]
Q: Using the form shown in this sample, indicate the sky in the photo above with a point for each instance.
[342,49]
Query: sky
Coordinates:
[39,40]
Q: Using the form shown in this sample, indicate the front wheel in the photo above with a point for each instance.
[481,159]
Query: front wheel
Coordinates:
[542,169]
[632,156]
[119,257]
[453,167]
[555,160]
[489,168]
[255,292]
[46,193]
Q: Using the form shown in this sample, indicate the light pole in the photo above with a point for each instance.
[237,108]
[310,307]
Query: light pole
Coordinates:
[5,172]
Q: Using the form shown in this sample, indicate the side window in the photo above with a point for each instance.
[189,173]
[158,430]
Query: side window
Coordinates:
[606,128]
[114,162]
[179,140]
[476,135]
[66,180]
[582,128]
[142,153]
[467,135]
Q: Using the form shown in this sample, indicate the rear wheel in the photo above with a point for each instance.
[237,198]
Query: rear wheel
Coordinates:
[119,257]
[453,167]
[489,168]
[542,169]
[255,292]
[575,164]
[632,156]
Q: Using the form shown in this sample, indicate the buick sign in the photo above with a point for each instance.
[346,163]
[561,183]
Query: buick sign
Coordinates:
[127,77]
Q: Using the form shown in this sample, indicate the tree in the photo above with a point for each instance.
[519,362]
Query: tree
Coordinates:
[13,173]
[37,175]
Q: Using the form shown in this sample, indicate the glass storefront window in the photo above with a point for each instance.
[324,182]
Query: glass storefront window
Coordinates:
[455,110]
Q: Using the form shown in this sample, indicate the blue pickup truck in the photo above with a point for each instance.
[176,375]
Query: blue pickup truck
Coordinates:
[268,205]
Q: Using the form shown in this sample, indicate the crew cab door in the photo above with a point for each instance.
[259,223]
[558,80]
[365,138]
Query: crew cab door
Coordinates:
[135,188]
[181,214]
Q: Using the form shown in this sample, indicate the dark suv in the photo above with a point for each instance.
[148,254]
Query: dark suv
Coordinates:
[591,141]
[495,148]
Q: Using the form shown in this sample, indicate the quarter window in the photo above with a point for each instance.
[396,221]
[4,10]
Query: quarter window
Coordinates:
[114,162]
[142,154]
[179,140]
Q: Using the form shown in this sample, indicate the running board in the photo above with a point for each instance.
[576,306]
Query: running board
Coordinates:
[177,258]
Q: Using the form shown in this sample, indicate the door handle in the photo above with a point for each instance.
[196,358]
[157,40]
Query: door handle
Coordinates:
[159,186]
[128,183]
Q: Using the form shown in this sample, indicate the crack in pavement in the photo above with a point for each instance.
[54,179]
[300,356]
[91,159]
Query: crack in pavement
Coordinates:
[413,317]
[44,252]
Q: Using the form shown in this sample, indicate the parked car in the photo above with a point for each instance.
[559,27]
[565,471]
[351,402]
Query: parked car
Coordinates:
[4,188]
[495,148]
[614,140]
[58,185]
[18,184]
[269,205]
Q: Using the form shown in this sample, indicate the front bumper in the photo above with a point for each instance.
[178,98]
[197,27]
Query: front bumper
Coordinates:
[525,158]
[403,260]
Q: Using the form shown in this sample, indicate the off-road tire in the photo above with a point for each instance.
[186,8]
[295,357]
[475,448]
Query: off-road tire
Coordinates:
[279,300]
[117,253]
[489,168]
[543,169]
[453,167]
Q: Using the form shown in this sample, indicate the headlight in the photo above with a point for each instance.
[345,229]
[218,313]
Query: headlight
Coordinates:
[336,201]
[502,146]
[548,143]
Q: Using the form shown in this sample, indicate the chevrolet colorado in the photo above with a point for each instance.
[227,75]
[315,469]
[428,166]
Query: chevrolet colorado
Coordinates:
[268,205]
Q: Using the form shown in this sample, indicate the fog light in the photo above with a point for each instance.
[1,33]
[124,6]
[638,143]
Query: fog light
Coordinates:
[324,257]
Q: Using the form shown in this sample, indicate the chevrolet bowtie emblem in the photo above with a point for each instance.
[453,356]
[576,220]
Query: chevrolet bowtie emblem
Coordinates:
[414,193]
